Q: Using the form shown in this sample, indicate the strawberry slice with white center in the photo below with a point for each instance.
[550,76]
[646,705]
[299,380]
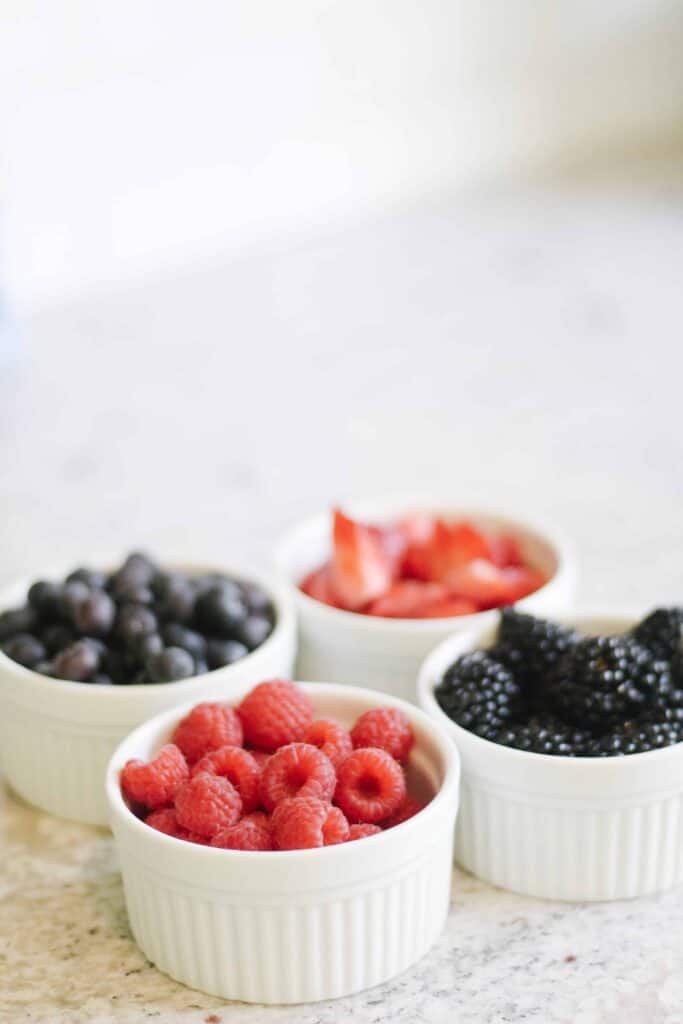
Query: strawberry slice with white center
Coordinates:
[489,586]
[408,599]
[361,569]
[318,585]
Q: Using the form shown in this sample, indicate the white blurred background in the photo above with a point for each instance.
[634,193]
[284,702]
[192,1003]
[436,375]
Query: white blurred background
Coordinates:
[258,257]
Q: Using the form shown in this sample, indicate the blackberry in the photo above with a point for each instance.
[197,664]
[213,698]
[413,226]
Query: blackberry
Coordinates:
[531,648]
[660,632]
[479,694]
[544,734]
[606,679]
[635,737]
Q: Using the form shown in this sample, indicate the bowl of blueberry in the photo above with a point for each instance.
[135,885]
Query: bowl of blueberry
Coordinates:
[87,656]
[571,739]
[379,583]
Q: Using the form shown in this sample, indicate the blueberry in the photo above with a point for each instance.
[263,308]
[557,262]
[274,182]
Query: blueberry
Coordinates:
[140,647]
[72,594]
[17,620]
[46,599]
[116,665]
[79,662]
[26,649]
[134,593]
[200,667]
[254,630]
[57,637]
[169,665]
[137,568]
[176,598]
[257,599]
[224,652]
[95,614]
[222,609]
[135,620]
[91,577]
[176,635]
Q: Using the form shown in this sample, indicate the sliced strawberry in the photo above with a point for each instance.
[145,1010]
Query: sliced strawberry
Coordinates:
[318,584]
[489,586]
[449,546]
[393,542]
[407,599]
[361,570]
[448,606]
[505,550]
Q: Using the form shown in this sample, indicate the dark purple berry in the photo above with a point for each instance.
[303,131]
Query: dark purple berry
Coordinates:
[254,630]
[95,614]
[138,569]
[134,593]
[224,652]
[257,599]
[222,610]
[46,599]
[17,620]
[135,620]
[176,635]
[169,665]
[73,594]
[57,637]
[176,598]
[25,649]
[91,577]
[79,662]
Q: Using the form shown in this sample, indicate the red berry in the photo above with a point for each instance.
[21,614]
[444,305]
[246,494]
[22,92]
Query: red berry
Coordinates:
[386,728]
[260,756]
[302,822]
[250,833]
[299,769]
[206,804]
[370,786]
[275,713]
[335,828]
[361,831]
[155,784]
[237,766]
[207,727]
[330,737]
[408,809]
[360,569]
[166,821]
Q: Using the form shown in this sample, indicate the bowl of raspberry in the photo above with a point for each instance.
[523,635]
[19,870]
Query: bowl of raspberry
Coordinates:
[87,656]
[571,739]
[379,583]
[290,845]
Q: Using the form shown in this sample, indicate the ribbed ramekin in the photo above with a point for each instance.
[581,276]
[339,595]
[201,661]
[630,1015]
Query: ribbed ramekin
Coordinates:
[302,925]
[386,653]
[56,737]
[560,827]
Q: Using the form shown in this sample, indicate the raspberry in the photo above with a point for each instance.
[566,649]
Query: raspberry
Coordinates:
[250,833]
[206,804]
[303,822]
[299,769]
[275,713]
[207,727]
[260,756]
[370,786]
[336,828]
[155,784]
[386,729]
[166,821]
[237,766]
[408,809]
[330,737]
[361,831]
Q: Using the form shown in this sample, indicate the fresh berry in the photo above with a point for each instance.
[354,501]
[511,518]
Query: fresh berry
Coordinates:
[253,631]
[360,569]
[362,831]
[95,614]
[239,767]
[207,727]
[446,548]
[408,599]
[25,649]
[170,665]
[661,632]
[79,662]
[252,832]
[370,786]
[318,585]
[166,821]
[56,637]
[301,822]
[408,809]
[545,734]
[92,578]
[17,620]
[479,694]
[330,737]
[206,803]
[46,599]
[155,784]
[335,827]
[386,728]
[298,769]
[491,587]
[605,679]
[531,649]
[634,738]
[134,620]
[174,634]
[222,609]
[275,713]
[176,597]
[449,607]
[224,652]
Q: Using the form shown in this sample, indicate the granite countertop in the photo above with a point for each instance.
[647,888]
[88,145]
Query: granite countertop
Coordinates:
[524,356]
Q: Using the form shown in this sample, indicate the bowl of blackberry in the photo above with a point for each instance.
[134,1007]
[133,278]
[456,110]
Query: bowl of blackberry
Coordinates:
[571,738]
[87,656]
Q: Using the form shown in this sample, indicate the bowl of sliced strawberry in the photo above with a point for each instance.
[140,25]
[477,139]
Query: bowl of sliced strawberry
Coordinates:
[379,583]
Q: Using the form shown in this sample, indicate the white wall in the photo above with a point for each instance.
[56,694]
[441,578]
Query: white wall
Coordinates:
[143,134]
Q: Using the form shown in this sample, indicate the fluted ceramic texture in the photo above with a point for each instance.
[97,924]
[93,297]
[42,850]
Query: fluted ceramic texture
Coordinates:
[561,851]
[299,948]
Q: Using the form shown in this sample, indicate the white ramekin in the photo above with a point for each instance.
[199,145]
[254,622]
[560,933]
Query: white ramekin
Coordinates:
[386,653]
[56,737]
[295,926]
[563,828]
